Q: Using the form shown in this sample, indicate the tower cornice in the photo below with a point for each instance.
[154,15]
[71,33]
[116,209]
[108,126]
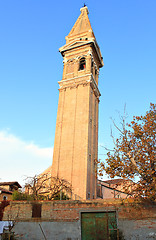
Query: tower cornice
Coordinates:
[86,79]
[78,44]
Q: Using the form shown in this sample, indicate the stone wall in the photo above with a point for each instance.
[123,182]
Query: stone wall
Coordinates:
[62,219]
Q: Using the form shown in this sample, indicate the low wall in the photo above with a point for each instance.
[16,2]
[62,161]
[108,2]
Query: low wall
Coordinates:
[62,219]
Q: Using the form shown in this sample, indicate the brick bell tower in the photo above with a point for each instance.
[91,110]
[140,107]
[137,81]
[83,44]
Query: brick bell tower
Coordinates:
[76,136]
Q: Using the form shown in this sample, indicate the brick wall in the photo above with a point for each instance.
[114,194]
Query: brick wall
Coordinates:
[70,210]
[63,218]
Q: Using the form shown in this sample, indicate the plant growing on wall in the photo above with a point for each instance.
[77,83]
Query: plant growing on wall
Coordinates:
[134,154]
[19,195]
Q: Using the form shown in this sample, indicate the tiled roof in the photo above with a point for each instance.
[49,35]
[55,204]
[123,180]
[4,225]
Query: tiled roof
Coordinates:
[115,189]
[114,181]
[10,183]
[3,190]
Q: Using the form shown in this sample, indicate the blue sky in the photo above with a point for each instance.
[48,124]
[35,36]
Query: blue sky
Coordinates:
[31,32]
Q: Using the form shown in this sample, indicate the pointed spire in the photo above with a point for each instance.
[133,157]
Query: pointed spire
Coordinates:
[84,8]
[82,34]
[82,27]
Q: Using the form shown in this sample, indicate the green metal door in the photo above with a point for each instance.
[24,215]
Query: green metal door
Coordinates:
[98,226]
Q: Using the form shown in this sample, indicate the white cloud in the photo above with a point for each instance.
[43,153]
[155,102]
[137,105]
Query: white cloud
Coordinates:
[19,159]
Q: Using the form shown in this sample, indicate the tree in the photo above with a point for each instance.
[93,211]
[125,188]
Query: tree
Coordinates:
[46,187]
[134,154]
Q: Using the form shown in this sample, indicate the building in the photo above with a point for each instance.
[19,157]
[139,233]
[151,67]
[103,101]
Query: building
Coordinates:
[5,194]
[76,136]
[7,188]
[115,188]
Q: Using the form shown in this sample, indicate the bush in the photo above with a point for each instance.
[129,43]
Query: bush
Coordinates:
[18,195]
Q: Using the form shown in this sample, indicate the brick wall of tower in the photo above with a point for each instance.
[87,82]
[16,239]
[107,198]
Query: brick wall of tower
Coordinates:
[71,139]
[76,137]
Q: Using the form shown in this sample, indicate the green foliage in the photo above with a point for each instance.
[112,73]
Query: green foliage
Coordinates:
[18,195]
[61,196]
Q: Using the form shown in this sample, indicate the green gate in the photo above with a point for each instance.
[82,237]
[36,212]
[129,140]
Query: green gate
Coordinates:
[98,226]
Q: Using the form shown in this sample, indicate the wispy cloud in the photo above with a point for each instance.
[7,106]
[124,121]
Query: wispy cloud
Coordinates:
[19,159]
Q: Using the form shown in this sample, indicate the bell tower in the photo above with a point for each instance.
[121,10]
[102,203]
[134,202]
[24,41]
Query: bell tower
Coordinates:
[76,136]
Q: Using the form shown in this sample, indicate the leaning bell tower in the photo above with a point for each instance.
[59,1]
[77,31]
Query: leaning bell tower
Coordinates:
[76,136]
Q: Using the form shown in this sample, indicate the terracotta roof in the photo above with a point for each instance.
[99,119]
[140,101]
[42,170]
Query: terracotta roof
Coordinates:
[2,190]
[10,183]
[114,181]
[116,190]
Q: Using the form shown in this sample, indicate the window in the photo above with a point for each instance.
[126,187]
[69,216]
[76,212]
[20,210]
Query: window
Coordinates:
[82,65]
[4,198]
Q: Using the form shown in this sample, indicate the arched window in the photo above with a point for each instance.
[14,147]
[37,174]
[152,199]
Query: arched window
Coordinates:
[82,65]
[4,198]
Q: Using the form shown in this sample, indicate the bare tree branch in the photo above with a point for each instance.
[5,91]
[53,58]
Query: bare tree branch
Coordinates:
[46,186]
